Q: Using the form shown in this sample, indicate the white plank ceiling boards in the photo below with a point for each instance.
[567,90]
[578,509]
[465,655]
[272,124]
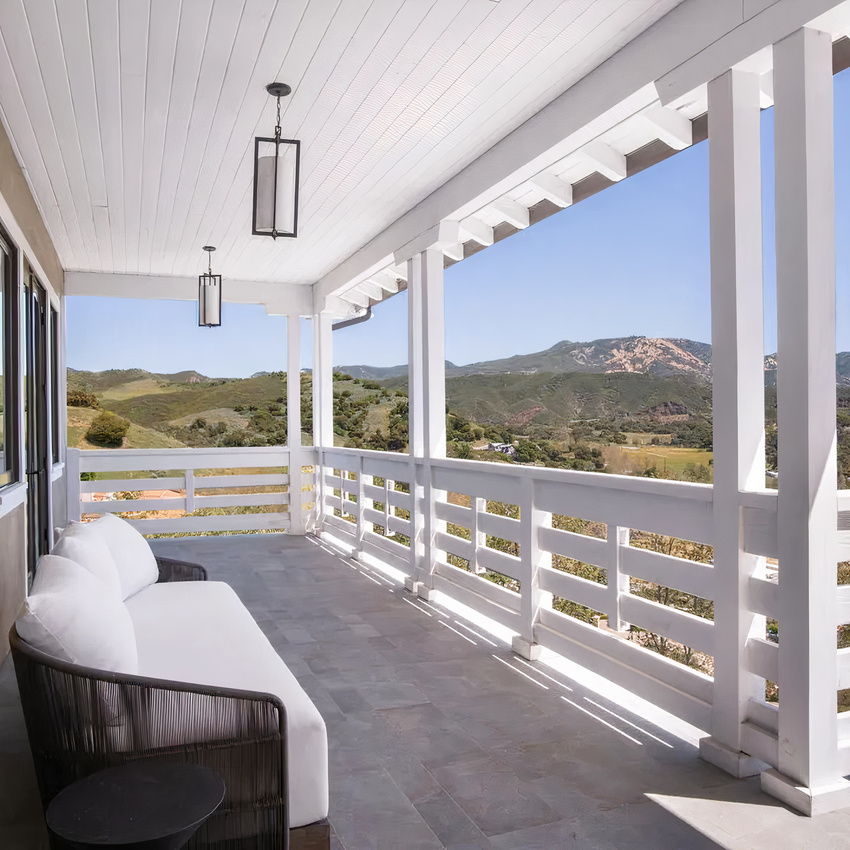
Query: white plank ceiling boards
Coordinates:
[134,121]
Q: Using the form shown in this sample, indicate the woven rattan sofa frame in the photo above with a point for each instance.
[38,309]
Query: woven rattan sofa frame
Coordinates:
[70,711]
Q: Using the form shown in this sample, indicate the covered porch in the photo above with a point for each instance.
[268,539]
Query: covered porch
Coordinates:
[442,732]
[440,736]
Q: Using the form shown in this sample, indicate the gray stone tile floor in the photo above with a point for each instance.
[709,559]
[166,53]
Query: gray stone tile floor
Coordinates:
[437,741]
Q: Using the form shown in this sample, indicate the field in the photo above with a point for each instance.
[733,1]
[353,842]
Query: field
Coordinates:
[634,460]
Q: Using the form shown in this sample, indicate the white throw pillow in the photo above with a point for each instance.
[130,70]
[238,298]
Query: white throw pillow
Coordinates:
[133,556]
[82,543]
[72,615]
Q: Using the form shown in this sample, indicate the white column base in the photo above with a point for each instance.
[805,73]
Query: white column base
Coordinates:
[734,762]
[418,588]
[809,801]
[526,649]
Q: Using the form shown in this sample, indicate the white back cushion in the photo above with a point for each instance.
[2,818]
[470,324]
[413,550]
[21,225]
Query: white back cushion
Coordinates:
[72,615]
[133,556]
[81,543]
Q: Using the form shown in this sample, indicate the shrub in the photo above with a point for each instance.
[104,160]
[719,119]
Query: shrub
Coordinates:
[82,398]
[108,429]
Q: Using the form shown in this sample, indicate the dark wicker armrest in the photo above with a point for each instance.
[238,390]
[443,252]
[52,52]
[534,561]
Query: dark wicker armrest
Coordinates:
[81,720]
[171,569]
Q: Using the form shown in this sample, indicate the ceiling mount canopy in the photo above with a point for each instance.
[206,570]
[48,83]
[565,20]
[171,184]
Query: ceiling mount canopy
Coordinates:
[276,167]
[209,295]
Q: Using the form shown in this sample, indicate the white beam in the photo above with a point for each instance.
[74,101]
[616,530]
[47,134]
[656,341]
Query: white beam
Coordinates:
[454,251]
[619,88]
[553,188]
[354,296]
[386,281]
[445,233]
[608,162]
[278,298]
[476,230]
[373,290]
[807,506]
[673,128]
[755,25]
[399,271]
[766,90]
[737,333]
[511,212]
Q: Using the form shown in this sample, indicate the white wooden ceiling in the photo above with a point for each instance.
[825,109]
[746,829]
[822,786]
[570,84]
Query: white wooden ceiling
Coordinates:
[134,120]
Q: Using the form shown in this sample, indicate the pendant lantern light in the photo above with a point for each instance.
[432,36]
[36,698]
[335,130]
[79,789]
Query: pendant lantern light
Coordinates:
[276,166]
[209,295]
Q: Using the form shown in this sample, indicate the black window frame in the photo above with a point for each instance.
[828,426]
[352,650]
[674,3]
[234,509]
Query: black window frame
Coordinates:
[10,336]
[55,430]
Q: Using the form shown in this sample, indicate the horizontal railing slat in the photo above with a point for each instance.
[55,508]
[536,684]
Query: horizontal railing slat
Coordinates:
[679,626]
[579,547]
[132,485]
[669,571]
[591,594]
[762,659]
[235,522]
[455,545]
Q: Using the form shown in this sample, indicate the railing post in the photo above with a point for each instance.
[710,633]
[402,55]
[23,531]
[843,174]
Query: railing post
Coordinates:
[360,527]
[618,581]
[297,524]
[73,484]
[477,537]
[807,777]
[738,401]
[189,482]
[532,598]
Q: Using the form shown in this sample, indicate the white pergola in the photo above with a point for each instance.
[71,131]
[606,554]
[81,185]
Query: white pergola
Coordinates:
[430,130]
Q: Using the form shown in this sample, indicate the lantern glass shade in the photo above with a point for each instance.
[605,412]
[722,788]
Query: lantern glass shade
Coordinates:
[209,300]
[276,165]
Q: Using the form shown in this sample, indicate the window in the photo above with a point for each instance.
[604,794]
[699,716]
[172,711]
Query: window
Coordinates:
[8,359]
[55,434]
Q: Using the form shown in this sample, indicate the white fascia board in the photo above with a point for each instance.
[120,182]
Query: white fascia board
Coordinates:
[279,299]
[622,86]
[759,25]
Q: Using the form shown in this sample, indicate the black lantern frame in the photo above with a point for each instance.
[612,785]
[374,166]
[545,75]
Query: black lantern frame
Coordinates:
[277,167]
[209,296]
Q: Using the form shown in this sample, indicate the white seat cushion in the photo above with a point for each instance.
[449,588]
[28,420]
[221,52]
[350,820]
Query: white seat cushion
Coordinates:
[133,557]
[72,615]
[200,632]
[81,542]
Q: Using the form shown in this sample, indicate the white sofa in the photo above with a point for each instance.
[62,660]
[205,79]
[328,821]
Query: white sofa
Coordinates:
[189,672]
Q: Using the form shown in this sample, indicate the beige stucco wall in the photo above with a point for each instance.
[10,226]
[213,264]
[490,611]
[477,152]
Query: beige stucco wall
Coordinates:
[13,571]
[16,193]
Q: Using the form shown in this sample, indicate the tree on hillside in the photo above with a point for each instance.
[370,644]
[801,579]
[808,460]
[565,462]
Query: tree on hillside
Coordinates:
[108,429]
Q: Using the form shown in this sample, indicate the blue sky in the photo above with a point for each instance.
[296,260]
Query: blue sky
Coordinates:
[633,259]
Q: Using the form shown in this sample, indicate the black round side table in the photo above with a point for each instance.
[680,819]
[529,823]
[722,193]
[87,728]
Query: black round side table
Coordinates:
[138,806]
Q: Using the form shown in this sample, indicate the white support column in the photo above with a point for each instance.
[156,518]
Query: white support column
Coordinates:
[807,778]
[737,337]
[427,394]
[293,420]
[323,430]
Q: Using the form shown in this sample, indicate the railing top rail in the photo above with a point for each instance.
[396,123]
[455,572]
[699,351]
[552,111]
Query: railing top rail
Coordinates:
[187,452]
[643,486]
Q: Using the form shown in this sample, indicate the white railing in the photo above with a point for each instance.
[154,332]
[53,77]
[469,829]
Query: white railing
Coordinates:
[242,489]
[375,502]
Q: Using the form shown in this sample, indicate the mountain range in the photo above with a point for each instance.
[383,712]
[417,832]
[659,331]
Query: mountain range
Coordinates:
[660,357]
